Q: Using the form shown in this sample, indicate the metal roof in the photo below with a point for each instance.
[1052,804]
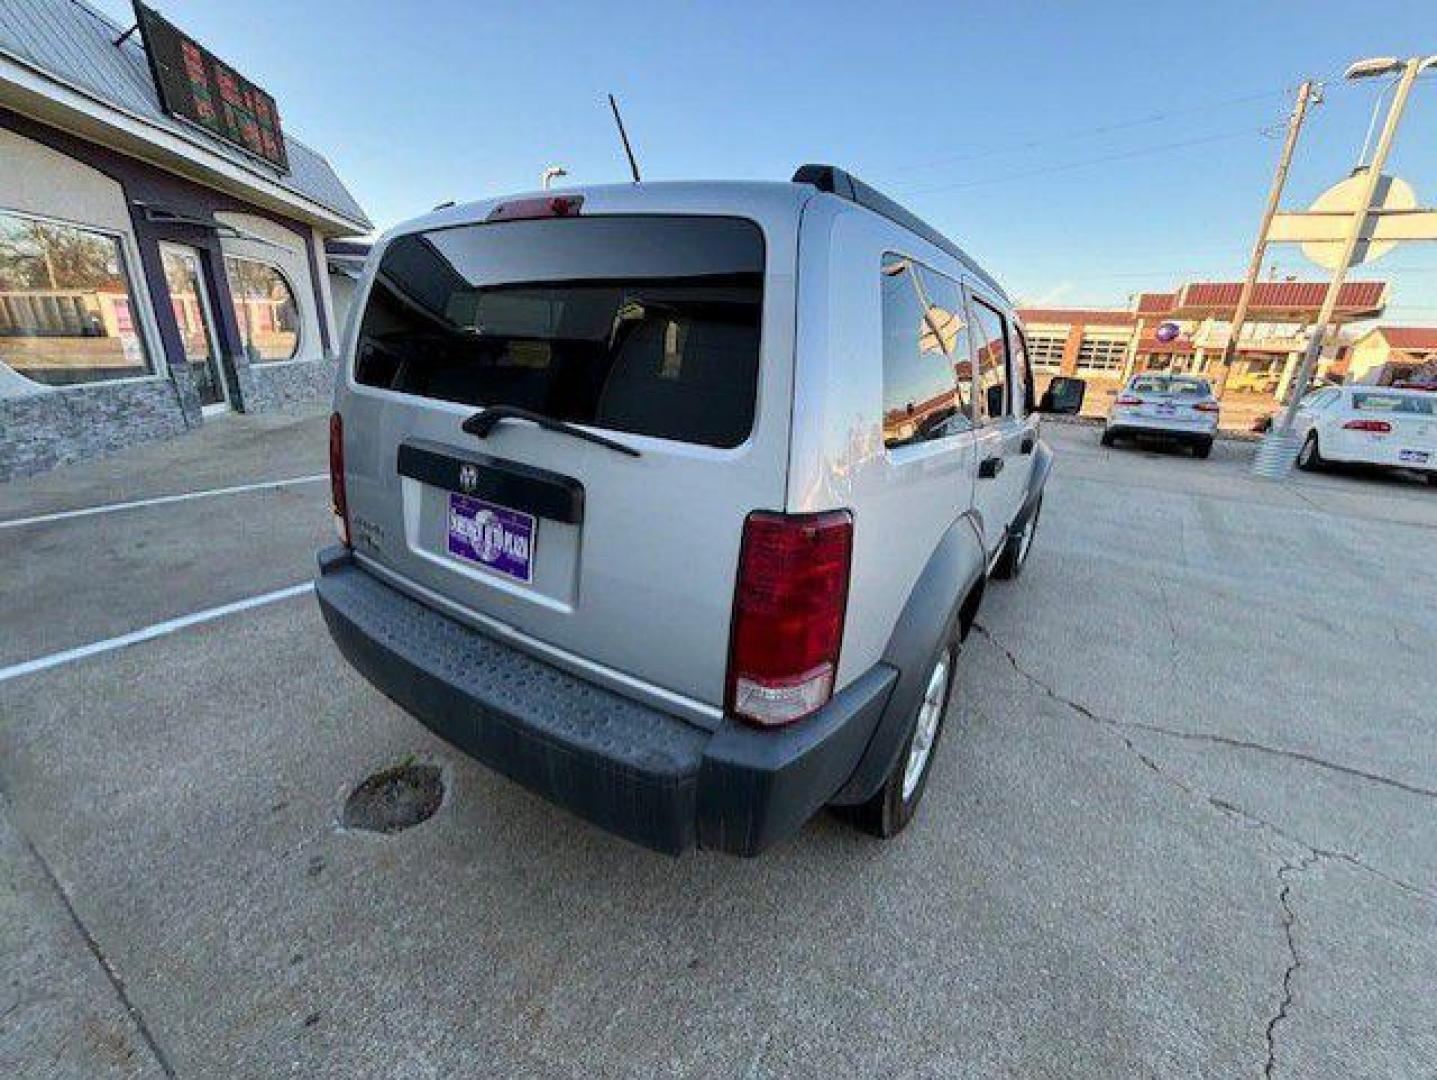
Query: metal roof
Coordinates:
[1415,338]
[73,43]
[1293,296]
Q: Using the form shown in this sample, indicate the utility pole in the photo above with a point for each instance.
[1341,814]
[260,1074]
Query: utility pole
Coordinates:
[1309,93]
[1410,70]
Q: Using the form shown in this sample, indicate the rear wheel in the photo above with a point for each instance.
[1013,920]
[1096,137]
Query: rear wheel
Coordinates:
[1432,478]
[1017,546]
[1107,439]
[1309,458]
[1202,449]
[893,807]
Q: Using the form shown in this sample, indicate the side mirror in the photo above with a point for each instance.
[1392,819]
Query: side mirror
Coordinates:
[1064,396]
[995,399]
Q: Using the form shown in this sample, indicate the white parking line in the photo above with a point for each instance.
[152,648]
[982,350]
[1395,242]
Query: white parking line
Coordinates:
[169,626]
[161,500]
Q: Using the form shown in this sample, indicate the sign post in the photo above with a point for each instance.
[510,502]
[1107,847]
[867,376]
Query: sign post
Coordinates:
[1361,226]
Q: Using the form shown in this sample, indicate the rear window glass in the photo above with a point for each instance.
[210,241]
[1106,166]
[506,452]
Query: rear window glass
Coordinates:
[642,324]
[1168,385]
[1398,403]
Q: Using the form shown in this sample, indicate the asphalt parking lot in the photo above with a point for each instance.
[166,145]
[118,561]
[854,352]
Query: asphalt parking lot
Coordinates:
[1183,821]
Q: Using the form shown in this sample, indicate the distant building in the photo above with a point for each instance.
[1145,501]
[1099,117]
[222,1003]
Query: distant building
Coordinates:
[1389,354]
[1111,343]
[162,241]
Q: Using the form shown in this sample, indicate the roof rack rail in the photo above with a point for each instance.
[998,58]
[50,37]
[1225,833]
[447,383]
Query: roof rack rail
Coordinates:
[845,185]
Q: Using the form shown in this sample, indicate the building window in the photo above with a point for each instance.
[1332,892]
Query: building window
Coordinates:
[1046,351]
[67,310]
[265,309]
[1102,354]
[927,358]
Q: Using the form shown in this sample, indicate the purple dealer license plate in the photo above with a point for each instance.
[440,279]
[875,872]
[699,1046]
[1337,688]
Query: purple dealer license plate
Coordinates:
[494,537]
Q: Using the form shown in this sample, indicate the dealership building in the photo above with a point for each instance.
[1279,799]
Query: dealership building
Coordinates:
[164,246]
[1188,329]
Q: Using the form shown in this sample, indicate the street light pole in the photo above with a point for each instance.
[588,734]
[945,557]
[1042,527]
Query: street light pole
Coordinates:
[1410,70]
[1308,93]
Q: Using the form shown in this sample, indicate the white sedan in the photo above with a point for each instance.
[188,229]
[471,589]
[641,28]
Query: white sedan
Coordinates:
[1173,408]
[1369,425]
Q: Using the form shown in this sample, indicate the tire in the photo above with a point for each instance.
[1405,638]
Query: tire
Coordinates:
[1203,449]
[1309,458]
[1016,548]
[1432,479]
[892,808]
[1107,439]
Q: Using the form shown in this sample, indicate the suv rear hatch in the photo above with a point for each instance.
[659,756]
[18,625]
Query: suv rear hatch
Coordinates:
[669,334]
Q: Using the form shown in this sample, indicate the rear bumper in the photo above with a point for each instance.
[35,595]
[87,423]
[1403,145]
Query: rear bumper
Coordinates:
[646,775]
[1153,428]
[1388,453]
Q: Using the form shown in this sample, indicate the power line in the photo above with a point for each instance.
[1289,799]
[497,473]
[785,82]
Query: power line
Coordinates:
[1066,166]
[1083,133]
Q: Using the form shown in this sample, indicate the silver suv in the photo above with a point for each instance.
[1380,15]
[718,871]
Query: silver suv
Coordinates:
[674,502]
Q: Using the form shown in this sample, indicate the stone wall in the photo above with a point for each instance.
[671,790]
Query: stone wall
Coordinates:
[266,387]
[40,431]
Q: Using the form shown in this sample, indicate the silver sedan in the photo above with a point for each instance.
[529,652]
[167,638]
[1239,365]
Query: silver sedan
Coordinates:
[1170,408]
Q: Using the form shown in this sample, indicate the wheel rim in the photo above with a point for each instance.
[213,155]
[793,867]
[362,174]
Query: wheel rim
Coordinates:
[925,733]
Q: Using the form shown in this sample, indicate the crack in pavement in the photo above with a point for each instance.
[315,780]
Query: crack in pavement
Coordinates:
[1294,961]
[116,982]
[1312,854]
[1122,727]
[1205,736]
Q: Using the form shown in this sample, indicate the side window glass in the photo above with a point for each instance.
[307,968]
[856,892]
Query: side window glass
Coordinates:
[991,341]
[926,357]
[1022,373]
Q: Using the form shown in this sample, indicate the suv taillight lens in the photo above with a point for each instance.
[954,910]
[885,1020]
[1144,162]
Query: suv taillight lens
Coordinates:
[1129,399]
[337,501]
[1208,406]
[1381,427]
[788,612]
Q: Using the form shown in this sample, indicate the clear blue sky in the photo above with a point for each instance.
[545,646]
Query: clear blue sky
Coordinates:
[985,119]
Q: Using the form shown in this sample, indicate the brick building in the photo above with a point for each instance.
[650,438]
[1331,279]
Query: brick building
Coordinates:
[1105,345]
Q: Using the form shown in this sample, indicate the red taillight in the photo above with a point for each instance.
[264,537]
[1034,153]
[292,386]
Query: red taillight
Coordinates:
[1382,427]
[788,611]
[546,206]
[1207,406]
[1128,399]
[337,501]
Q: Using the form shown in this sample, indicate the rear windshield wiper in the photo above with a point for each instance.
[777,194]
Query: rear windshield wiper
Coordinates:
[482,423]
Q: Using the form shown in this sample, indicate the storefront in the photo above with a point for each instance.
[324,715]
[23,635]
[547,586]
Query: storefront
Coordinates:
[152,272]
[1106,345]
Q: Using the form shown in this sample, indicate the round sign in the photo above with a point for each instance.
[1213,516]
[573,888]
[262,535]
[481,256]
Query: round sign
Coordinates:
[1393,193]
[1168,331]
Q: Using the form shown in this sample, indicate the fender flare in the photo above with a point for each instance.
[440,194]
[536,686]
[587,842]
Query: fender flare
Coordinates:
[933,614]
[1037,478]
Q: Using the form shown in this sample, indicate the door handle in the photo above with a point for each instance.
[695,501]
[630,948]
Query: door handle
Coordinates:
[990,467]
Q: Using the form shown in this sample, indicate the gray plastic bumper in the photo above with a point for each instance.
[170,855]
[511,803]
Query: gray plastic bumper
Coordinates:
[637,771]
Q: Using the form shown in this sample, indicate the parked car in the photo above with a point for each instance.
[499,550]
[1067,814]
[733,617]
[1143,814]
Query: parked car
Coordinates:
[1369,425]
[674,502]
[1172,408]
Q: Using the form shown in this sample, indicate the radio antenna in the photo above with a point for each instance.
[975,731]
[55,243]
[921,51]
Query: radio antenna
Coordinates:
[624,135]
